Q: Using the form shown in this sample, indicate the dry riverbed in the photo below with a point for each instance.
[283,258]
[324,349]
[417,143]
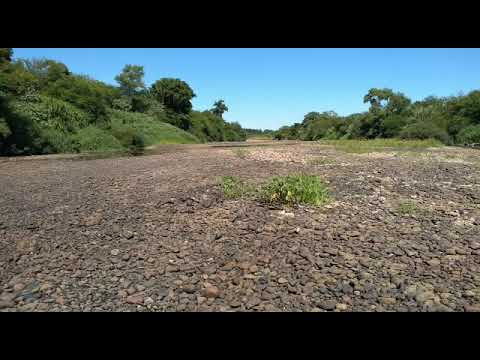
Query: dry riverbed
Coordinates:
[154,233]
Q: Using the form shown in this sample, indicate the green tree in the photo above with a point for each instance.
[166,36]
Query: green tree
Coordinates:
[6,55]
[219,108]
[45,70]
[131,80]
[175,94]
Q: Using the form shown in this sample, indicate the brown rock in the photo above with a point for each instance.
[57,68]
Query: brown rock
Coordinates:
[211,292]
[135,299]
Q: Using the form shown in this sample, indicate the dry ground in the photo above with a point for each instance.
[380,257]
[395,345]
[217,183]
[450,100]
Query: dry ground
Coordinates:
[154,233]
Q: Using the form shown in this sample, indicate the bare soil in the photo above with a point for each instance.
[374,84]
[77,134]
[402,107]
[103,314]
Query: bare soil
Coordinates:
[154,233]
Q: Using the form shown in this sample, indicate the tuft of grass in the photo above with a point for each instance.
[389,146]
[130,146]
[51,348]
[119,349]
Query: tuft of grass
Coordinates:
[321,161]
[233,187]
[378,145]
[241,153]
[295,189]
[407,207]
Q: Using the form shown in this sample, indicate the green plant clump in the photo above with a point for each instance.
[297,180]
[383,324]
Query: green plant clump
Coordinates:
[295,189]
[233,187]
[407,207]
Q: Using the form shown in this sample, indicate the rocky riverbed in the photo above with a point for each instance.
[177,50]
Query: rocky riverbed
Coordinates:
[154,233]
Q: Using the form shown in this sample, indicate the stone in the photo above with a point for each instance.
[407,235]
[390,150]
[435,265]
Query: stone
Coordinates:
[18,287]
[189,289]
[115,252]
[282,280]
[135,299]
[148,301]
[341,307]
[472,308]
[235,304]
[4,304]
[211,291]
[469,293]
[434,263]
[60,300]
[411,291]
[131,291]
[388,300]
[327,305]
[423,296]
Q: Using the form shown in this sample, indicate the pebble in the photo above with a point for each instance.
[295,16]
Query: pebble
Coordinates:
[131,291]
[135,299]
[115,252]
[341,307]
[327,305]
[18,287]
[282,280]
[6,304]
[211,291]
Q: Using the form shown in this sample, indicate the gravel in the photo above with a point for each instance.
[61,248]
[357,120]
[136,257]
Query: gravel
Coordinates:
[154,233]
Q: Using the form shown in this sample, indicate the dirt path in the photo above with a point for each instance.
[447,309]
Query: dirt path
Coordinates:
[154,233]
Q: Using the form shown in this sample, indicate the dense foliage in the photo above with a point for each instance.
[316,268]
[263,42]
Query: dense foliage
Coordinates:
[452,120]
[45,108]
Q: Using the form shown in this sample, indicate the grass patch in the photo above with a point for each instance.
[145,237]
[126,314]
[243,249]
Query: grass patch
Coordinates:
[295,189]
[407,207]
[241,153]
[321,161]
[153,131]
[287,190]
[233,187]
[378,145]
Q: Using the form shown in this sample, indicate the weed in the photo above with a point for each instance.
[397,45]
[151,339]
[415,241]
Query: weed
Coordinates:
[241,153]
[407,207]
[295,189]
[233,187]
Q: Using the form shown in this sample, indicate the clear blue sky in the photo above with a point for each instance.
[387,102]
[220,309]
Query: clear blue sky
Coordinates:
[268,88]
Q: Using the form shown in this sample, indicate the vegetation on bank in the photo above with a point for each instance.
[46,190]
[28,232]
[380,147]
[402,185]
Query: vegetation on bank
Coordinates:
[45,108]
[367,146]
[256,134]
[449,120]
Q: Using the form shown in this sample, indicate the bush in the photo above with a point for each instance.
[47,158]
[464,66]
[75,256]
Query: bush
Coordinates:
[469,135]
[50,113]
[295,189]
[152,130]
[95,139]
[91,96]
[137,144]
[42,126]
[423,131]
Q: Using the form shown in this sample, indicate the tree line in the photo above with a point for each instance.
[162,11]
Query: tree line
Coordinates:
[45,108]
[451,120]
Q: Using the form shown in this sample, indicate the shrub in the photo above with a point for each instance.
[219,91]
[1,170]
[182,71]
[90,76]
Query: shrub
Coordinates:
[152,130]
[50,113]
[469,135]
[95,139]
[295,189]
[424,131]
[137,144]
[42,126]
